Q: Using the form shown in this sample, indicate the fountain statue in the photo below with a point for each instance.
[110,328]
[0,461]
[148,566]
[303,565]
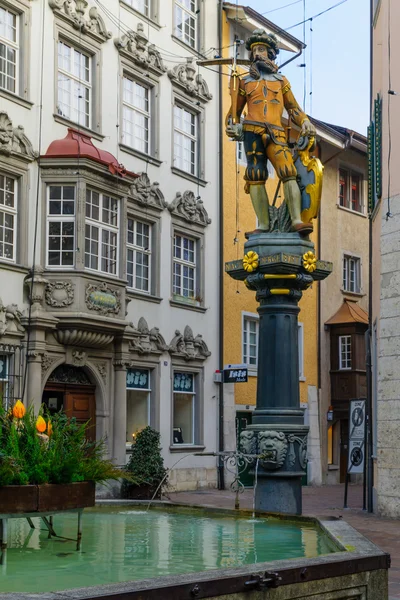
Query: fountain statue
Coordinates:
[279,263]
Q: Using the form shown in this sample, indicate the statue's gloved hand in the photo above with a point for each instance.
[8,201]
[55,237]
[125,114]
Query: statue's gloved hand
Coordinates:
[235,131]
[308,129]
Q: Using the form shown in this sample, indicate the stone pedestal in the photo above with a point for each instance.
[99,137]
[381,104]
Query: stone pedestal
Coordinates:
[279,268]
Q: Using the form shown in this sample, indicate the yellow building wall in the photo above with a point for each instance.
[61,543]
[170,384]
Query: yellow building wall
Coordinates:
[239,217]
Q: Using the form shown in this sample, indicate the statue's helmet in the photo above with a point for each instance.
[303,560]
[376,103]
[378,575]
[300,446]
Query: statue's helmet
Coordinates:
[260,36]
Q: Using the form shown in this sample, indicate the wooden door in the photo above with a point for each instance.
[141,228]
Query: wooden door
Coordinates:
[82,406]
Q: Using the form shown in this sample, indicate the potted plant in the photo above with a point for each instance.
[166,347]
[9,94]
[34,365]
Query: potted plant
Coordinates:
[46,463]
[147,466]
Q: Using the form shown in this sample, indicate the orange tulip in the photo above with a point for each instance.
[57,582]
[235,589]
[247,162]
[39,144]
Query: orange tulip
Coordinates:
[49,428]
[41,425]
[18,410]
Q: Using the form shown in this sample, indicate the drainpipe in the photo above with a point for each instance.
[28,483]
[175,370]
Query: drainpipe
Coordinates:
[221,476]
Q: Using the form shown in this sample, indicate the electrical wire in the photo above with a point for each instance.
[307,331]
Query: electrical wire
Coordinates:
[311,67]
[281,7]
[390,93]
[316,16]
[305,61]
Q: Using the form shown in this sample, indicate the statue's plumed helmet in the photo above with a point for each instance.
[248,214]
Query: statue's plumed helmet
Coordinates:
[260,36]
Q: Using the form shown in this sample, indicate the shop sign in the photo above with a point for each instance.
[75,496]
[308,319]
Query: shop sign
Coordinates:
[235,374]
[103,300]
[138,379]
[183,382]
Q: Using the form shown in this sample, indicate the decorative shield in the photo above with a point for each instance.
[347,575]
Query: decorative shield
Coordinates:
[309,177]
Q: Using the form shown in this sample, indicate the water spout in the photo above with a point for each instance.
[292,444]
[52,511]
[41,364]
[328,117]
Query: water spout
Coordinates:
[255,489]
[165,477]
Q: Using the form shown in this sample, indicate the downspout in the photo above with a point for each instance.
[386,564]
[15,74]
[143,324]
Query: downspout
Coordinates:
[221,477]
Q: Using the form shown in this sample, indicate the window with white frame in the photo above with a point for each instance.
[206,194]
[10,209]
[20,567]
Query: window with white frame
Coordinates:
[351,274]
[9,50]
[8,217]
[350,190]
[60,225]
[74,91]
[138,397]
[344,352]
[250,341]
[101,232]
[136,121]
[184,407]
[185,139]
[186,21]
[300,330]
[142,6]
[138,260]
[184,266]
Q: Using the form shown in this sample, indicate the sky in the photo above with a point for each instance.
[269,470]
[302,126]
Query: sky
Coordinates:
[336,57]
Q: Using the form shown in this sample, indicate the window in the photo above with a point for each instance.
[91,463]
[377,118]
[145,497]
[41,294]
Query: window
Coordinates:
[8,217]
[344,352]
[184,406]
[351,274]
[250,341]
[101,232]
[9,50]
[186,21]
[350,195]
[138,255]
[185,140]
[74,95]
[184,270]
[136,115]
[61,226]
[142,6]
[138,402]
[10,376]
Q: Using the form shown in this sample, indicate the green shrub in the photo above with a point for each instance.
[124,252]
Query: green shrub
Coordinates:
[147,466]
[62,456]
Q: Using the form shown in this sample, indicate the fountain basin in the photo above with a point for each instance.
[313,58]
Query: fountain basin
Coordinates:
[175,552]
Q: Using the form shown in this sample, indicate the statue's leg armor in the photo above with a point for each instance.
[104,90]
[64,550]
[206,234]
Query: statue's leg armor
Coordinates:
[293,200]
[256,175]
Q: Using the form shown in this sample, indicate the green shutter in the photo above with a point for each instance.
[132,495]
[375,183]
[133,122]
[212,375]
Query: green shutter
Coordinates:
[378,146]
[371,168]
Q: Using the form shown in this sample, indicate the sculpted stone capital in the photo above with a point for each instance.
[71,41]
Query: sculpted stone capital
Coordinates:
[135,46]
[189,207]
[146,193]
[13,141]
[188,347]
[76,13]
[184,76]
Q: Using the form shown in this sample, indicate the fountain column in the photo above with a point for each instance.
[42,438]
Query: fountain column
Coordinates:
[279,268]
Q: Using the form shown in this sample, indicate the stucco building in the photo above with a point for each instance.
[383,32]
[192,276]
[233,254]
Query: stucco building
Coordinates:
[109,220]
[385,217]
[333,312]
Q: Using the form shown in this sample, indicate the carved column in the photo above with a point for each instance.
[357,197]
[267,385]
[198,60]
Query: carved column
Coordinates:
[278,267]
[119,412]
[33,392]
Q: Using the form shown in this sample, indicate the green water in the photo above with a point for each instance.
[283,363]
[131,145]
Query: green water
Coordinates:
[123,544]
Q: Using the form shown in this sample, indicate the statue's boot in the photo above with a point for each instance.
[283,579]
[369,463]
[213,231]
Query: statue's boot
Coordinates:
[293,201]
[259,199]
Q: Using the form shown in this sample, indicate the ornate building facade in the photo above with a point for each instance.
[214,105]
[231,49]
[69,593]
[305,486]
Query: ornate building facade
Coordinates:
[109,219]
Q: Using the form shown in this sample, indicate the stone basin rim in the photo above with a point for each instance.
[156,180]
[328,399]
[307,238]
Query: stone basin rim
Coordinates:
[360,556]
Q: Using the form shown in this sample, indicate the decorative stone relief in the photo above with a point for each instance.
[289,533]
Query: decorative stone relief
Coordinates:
[184,76]
[69,374]
[79,359]
[10,319]
[146,193]
[302,441]
[75,12]
[102,298]
[188,347]
[190,208]
[80,337]
[47,361]
[135,46]
[59,294]
[13,140]
[273,447]
[102,369]
[147,341]
[248,442]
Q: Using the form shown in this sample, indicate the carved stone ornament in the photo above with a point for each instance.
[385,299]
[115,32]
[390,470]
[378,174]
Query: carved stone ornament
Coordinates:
[147,341]
[248,442]
[102,369]
[13,140]
[102,298]
[59,294]
[10,320]
[47,361]
[87,21]
[188,347]
[273,448]
[146,193]
[135,46]
[69,374]
[189,207]
[79,359]
[185,77]
[302,442]
[80,337]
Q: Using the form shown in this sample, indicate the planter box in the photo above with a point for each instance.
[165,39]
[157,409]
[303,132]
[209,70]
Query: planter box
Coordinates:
[16,499]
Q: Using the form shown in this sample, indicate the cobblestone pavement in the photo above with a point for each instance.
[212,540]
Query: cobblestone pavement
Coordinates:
[318,502]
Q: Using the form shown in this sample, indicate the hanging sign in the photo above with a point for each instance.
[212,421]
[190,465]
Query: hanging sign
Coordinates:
[235,374]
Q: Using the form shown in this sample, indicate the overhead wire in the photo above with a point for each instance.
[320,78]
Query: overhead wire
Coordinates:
[281,7]
[315,16]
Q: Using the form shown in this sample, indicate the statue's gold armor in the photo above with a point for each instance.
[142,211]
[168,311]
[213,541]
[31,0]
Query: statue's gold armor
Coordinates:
[264,135]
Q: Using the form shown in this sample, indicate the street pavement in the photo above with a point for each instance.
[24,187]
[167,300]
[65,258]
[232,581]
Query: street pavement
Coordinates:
[319,502]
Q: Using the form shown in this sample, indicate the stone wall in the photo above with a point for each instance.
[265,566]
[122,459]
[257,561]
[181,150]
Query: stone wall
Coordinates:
[184,480]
